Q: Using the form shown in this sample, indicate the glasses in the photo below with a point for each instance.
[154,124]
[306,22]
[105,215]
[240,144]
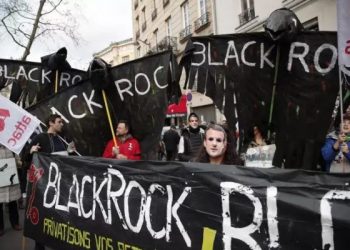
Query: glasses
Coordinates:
[219,140]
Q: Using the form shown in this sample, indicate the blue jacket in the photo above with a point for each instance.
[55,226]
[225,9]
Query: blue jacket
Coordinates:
[328,152]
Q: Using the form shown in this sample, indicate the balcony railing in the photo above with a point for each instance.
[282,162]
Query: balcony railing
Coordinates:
[144,26]
[154,14]
[165,2]
[136,3]
[168,43]
[246,16]
[137,34]
[201,22]
[186,32]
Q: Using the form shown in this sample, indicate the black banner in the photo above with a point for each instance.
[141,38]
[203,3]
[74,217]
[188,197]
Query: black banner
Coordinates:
[239,71]
[34,80]
[139,93]
[96,203]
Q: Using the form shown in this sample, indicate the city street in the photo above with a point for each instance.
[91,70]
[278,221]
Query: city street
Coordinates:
[14,240]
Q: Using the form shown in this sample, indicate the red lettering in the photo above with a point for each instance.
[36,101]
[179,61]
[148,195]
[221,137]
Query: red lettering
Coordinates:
[347,48]
[26,120]
[12,142]
[20,128]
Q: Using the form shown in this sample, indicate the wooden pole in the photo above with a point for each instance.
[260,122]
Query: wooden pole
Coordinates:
[109,118]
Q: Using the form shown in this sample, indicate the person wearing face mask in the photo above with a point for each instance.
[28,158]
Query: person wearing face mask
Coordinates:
[191,139]
[335,151]
[214,149]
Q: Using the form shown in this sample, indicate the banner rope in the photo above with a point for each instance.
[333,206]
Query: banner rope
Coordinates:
[273,90]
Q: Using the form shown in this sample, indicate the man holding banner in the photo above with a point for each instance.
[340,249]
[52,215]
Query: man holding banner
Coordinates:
[127,148]
[51,142]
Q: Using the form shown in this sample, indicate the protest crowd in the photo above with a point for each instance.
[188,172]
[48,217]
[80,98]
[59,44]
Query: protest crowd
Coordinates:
[100,157]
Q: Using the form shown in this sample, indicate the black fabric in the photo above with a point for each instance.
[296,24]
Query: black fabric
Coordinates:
[192,144]
[239,73]
[135,203]
[48,143]
[34,81]
[140,94]
[13,214]
[171,139]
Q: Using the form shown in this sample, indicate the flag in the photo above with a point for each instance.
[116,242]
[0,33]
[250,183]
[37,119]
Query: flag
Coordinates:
[16,125]
[343,9]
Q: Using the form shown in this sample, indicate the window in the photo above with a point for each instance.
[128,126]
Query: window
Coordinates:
[201,22]
[125,58]
[155,35]
[137,23]
[248,12]
[146,48]
[311,24]
[185,14]
[144,14]
[187,30]
[168,26]
[154,12]
[202,7]
[138,52]
[144,19]
[137,27]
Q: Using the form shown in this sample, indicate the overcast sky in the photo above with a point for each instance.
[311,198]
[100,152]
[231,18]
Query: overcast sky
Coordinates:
[101,22]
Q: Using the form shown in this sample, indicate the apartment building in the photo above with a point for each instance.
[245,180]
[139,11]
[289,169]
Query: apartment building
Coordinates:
[117,52]
[162,24]
[241,16]
[167,24]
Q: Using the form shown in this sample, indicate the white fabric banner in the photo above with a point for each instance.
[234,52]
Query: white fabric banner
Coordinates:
[16,125]
[343,10]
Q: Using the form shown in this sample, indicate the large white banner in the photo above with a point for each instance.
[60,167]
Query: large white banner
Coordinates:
[16,125]
[343,9]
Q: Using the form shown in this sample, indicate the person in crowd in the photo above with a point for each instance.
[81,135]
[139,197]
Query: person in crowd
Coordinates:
[127,148]
[161,152]
[258,138]
[9,195]
[335,151]
[191,139]
[214,148]
[171,139]
[49,142]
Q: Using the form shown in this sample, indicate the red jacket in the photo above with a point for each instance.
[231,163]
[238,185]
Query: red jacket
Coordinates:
[130,148]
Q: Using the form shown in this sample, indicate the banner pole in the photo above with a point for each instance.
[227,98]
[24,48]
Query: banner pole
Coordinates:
[23,243]
[273,90]
[109,118]
[56,82]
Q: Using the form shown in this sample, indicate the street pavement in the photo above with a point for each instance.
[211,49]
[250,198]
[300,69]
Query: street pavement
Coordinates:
[14,240]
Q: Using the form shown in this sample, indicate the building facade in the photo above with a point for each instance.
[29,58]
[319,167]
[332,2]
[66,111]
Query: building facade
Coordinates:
[117,52]
[241,16]
[163,24]
[167,24]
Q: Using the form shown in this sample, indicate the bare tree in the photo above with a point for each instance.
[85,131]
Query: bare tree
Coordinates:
[26,22]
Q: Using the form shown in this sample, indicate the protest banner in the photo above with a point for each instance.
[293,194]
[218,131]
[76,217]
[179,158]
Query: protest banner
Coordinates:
[139,93]
[16,125]
[242,67]
[96,203]
[34,79]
